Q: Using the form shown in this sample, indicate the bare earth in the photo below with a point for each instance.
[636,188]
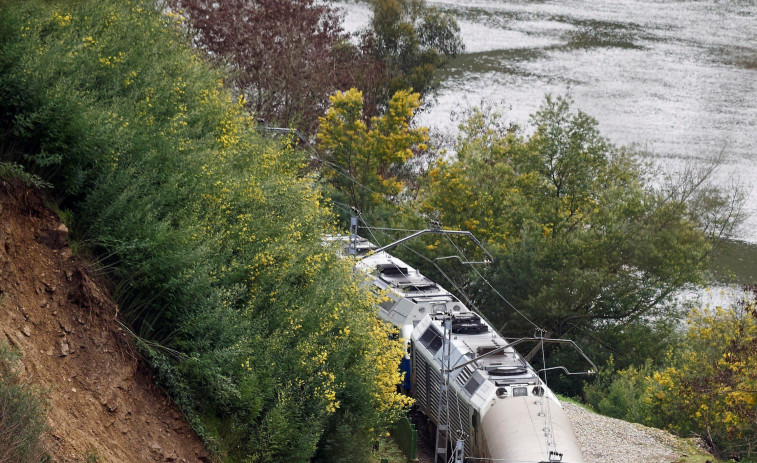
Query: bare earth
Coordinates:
[103,405]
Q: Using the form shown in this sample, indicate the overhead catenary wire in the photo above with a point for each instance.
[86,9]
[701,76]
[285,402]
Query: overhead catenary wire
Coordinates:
[540,329]
[417,213]
[439,269]
[370,230]
[392,229]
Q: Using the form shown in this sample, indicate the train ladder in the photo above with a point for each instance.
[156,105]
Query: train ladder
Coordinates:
[442,412]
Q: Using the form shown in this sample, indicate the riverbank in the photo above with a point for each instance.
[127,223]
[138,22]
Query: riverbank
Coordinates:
[734,262]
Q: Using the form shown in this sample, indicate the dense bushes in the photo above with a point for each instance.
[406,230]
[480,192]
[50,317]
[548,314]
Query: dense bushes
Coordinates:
[22,414]
[212,235]
[708,387]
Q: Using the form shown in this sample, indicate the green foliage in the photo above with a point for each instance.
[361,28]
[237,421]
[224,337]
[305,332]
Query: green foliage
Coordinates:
[411,41]
[92,457]
[11,170]
[619,394]
[211,232]
[366,161]
[386,451]
[22,414]
[581,240]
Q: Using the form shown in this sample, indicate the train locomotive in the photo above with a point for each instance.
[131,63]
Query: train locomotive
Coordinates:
[485,401]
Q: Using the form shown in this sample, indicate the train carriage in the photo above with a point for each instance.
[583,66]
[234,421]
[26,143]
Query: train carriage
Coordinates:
[493,402]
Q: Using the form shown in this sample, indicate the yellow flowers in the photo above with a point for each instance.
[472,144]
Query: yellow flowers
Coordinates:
[62,19]
[712,390]
[110,61]
[130,77]
[229,130]
[371,153]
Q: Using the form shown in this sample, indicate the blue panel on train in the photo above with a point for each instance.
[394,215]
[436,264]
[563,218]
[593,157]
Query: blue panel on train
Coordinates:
[405,368]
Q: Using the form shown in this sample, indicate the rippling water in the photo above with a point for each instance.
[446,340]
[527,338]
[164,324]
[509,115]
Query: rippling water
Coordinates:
[678,78]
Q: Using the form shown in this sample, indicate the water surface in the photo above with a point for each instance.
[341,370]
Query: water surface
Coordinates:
[678,78]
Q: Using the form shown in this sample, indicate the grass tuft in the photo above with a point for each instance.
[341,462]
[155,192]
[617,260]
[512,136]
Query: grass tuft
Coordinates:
[22,414]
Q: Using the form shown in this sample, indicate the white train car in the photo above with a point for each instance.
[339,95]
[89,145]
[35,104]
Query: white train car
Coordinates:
[497,405]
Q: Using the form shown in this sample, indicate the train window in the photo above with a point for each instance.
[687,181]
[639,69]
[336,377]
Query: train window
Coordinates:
[432,340]
[473,384]
[388,305]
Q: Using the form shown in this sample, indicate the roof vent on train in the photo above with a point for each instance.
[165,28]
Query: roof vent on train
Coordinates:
[399,277]
[468,323]
[483,350]
[391,269]
[504,370]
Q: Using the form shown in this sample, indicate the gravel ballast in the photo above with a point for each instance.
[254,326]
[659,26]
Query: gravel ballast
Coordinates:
[609,440]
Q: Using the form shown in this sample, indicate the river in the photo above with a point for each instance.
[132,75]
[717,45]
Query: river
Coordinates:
[676,78]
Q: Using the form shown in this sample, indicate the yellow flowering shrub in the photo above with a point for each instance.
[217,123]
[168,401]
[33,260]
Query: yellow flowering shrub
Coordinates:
[712,390]
[373,152]
[212,233]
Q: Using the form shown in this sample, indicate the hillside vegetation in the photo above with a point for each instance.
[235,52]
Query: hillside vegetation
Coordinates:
[211,233]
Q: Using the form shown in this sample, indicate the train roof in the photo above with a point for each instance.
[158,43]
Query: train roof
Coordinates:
[421,305]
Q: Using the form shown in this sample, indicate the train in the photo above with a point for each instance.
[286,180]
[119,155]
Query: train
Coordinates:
[485,402]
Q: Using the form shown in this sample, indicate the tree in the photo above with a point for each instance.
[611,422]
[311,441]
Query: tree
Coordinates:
[365,161]
[285,55]
[582,242]
[411,41]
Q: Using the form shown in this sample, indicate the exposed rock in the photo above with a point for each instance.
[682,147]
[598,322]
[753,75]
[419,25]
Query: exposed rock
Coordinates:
[54,238]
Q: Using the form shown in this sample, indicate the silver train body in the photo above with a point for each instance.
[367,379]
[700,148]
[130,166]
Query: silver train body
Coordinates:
[498,405]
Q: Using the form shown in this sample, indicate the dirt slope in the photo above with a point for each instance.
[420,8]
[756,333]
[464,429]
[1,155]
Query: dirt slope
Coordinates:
[102,400]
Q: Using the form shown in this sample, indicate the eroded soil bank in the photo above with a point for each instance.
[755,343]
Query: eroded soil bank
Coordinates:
[103,405]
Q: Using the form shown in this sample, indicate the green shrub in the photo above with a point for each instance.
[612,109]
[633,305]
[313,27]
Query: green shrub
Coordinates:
[11,170]
[707,387]
[22,414]
[212,234]
[620,394]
